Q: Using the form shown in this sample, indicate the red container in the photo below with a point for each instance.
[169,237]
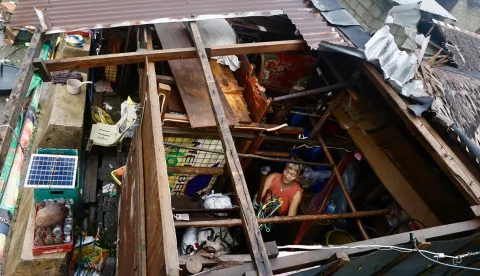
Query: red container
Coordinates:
[51,249]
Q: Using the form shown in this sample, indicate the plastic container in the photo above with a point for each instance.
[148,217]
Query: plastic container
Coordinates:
[41,194]
[50,249]
[115,177]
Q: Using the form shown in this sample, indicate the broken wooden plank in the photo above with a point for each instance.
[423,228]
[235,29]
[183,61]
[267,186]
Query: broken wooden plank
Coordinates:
[193,89]
[249,221]
[17,97]
[253,94]
[233,92]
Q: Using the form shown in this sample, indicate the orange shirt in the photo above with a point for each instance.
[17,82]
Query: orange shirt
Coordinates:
[286,195]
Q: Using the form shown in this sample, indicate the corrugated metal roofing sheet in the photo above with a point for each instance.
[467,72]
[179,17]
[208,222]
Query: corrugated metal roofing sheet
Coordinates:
[67,15]
[88,14]
[314,28]
[430,6]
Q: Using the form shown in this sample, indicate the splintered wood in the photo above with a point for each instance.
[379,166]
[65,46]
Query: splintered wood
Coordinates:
[190,81]
[233,92]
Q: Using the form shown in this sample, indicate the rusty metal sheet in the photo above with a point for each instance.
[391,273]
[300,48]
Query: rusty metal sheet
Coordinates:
[314,28]
[65,15]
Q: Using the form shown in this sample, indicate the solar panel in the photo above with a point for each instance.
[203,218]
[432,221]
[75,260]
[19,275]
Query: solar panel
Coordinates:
[51,171]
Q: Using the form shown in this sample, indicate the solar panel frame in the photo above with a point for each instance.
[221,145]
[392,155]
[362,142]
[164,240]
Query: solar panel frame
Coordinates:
[47,171]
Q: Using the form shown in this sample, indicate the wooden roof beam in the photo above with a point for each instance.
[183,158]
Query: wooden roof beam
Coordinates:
[170,54]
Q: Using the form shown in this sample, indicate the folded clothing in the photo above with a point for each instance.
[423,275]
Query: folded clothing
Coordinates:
[63,76]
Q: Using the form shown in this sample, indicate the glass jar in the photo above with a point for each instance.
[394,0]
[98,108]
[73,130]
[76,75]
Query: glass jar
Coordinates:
[60,201]
[57,231]
[48,240]
[38,241]
[58,239]
[67,230]
[49,201]
[68,221]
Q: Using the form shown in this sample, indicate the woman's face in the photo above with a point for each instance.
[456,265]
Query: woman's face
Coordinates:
[289,176]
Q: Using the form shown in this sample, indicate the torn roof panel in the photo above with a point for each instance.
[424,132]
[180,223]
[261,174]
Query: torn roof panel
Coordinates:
[67,15]
[314,28]
[430,6]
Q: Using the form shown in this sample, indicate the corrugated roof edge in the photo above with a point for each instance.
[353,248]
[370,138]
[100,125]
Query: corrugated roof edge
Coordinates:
[353,36]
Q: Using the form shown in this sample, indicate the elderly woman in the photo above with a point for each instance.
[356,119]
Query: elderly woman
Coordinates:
[285,187]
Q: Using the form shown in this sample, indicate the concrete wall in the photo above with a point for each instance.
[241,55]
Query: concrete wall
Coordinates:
[468,16]
[371,14]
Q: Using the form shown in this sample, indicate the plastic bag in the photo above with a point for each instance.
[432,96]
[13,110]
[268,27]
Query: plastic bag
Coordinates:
[129,111]
[189,241]
[101,116]
[218,237]
[318,179]
[93,257]
[217,201]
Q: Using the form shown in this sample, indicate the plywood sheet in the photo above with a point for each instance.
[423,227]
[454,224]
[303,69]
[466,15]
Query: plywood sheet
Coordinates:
[256,99]
[190,79]
[233,92]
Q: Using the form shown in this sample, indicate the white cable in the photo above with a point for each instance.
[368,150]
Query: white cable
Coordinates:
[450,265]
[373,246]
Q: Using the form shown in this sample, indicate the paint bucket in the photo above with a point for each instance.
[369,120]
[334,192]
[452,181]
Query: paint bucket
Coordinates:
[73,86]
[338,237]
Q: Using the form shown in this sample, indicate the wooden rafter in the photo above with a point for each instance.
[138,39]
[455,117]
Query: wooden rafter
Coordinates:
[170,54]
[247,214]
[17,96]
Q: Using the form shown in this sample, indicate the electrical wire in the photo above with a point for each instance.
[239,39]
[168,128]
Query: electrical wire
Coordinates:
[372,246]
[438,262]
[457,259]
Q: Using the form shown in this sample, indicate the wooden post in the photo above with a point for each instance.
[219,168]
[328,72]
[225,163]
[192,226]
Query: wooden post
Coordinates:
[318,126]
[17,96]
[160,235]
[337,174]
[252,150]
[249,221]
[42,70]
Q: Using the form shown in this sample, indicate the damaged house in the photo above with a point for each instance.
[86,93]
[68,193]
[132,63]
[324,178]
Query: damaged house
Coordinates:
[225,138]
